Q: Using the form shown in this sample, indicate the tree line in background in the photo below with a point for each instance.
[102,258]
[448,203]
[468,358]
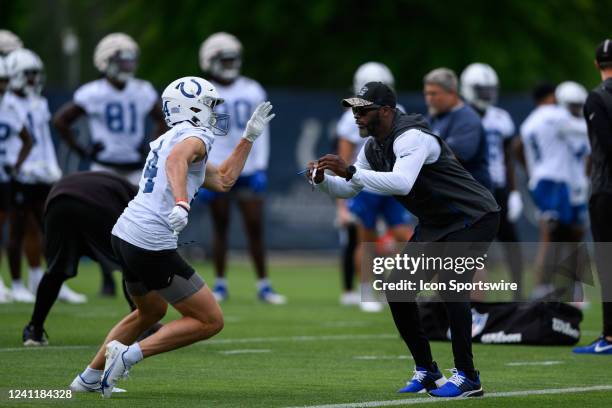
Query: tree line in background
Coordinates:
[318,44]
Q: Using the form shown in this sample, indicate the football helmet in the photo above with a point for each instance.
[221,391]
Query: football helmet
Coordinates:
[194,99]
[479,85]
[116,56]
[26,70]
[572,96]
[372,72]
[221,56]
[9,42]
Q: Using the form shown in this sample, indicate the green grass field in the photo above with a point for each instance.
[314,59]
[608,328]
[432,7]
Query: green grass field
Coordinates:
[309,352]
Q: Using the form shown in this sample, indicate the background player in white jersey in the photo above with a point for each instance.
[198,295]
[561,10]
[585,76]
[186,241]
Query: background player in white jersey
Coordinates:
[117,106]
[367,206]
[480,88]
[221,59]
[145,235]
[12,126]
[37,174]
[545,150]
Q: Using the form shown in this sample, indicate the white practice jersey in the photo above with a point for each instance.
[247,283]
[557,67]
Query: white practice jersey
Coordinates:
[144,223]
[241,98]
[41,164]
[12,121]
[117,117]
[574,131]
[544,145]
[499,127]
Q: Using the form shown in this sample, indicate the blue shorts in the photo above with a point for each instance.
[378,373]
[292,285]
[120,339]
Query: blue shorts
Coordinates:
[368,206]
[252,185]
[552,199]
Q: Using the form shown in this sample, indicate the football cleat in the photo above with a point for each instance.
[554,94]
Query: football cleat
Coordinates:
[70,296]
[34,336]
[600,346]
[268,295]
[424,380]
[220,292]
[80,385]
[21,294]
[459,386]
[115,367]
[350,298]
[371,307]
[6,296]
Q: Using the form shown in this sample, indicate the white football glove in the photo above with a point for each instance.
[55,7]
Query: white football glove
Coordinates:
[259,119]
[515,206]
[178,219]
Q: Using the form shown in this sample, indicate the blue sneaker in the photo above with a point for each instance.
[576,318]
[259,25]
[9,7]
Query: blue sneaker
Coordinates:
[424,380]
[459,386]
[220,292]
[267,295]
[600,346]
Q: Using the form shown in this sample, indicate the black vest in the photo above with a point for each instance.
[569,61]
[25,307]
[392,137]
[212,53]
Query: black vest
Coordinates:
[445,197]
[601,161]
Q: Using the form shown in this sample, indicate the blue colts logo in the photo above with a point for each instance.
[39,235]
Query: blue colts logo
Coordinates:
[181,87]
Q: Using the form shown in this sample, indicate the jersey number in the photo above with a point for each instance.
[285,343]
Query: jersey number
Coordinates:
[115,120]
[535,148]
[150,171]
[240,112]
[5,132]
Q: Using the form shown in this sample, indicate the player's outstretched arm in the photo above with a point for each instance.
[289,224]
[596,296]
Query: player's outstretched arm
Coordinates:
[222,178]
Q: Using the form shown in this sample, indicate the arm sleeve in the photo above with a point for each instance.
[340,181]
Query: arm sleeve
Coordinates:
[411,149]
[464,138]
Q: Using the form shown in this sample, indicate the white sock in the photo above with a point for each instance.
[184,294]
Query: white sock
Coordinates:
[133,354]
[91,376]
[263,283]
[36,272]
[221,282]
[17,284]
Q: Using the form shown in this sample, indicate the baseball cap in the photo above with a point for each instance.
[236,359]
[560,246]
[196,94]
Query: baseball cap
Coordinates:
[603,53]
[372,93]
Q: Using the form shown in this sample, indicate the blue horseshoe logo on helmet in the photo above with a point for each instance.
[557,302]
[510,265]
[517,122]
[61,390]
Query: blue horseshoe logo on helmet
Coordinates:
[181,87]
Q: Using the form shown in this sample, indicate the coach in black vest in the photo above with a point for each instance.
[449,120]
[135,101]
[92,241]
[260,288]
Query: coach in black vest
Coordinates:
[405,159]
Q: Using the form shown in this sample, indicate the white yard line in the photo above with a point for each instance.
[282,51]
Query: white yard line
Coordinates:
[381,357]
[414,401]
[533,363]
[246,340]
[245,351]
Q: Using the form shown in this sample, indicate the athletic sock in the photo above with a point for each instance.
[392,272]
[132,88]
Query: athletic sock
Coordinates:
[263,283]
[133,354]
[17,284]
[34,277]
[91,375]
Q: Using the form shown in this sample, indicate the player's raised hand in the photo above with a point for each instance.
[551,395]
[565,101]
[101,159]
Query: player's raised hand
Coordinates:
[259,119]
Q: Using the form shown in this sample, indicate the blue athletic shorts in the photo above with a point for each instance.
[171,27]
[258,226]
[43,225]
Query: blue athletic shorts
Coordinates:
[552,199]
[254,184]
[368,206]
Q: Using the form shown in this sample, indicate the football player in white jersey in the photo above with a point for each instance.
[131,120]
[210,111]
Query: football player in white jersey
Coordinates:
[545,150]
[145,235]
[37,174]
[479,88]
[12,127]
[367,206]
[116,106]
[220,60]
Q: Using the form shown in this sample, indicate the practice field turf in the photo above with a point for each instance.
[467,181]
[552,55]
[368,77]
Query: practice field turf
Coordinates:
[311,352]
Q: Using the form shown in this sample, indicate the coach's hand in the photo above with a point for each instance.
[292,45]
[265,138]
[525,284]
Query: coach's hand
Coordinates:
[259,119]
[333,163]
[178,218]
[319,174]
